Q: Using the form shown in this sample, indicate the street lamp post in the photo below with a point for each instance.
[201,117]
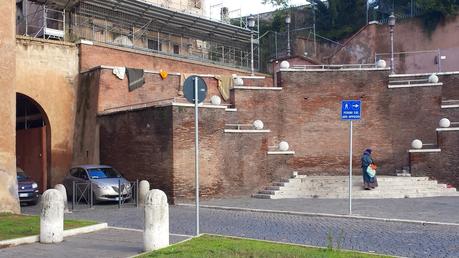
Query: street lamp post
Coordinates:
[288,20]
[251,25]
[391,26]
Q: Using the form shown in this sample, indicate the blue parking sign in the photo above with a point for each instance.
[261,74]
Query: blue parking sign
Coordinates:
[351,109]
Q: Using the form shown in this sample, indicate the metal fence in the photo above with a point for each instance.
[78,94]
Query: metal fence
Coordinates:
[83,195]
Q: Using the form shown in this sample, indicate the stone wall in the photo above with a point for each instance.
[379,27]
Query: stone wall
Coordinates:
[47,72]
[8,184]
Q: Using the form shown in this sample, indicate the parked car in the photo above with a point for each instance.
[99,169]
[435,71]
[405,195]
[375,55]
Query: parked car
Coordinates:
[27,188]
[105,182]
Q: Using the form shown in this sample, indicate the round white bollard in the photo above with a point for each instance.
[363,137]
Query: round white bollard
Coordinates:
[156,232]
[416,144]
[381,64]
[284,64]
[144,187]
[283,146]
[444,123]
[433,78]
[63,191]
[238,81]
[52,217]
[215,100]
[258,124]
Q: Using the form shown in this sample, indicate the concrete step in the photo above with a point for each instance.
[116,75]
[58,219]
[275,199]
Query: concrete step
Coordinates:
[337,187]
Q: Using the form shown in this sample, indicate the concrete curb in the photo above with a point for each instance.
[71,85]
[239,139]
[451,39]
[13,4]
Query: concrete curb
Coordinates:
[67,233]
[180,242]
[297,213]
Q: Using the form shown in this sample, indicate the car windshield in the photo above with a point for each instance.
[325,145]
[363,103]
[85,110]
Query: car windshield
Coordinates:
[21,175]
[98,173]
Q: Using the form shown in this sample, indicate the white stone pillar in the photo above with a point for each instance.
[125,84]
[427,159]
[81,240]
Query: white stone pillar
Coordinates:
[63,191]
[52,217]
[144,187]
[156,231]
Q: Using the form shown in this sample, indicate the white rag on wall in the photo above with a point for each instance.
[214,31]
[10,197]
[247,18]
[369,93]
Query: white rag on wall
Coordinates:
[120,72]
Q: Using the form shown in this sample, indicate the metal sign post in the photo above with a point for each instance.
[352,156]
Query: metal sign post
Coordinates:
[350,110]
[195,91]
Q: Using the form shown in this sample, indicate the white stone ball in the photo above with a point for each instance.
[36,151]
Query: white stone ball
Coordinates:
[238,81]
[258,124]
[444,123]
[381,63]
[416,144]
[285,65]
[283,146]
[433,78]
[215,100]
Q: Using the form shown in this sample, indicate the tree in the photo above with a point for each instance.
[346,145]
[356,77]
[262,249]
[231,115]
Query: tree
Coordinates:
[282,3]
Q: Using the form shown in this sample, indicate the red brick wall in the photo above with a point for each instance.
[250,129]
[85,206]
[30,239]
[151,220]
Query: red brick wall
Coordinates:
[391,119]
[140,144]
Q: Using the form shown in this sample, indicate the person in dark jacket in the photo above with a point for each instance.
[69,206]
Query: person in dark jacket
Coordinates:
[369,182]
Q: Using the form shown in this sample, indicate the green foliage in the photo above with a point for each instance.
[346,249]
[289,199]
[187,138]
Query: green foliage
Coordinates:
[215,246]
[435,11]
[283,3]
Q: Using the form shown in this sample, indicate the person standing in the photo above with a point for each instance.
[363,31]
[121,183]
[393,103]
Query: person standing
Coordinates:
[369,181]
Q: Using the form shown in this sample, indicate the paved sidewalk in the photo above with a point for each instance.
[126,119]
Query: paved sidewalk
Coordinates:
[434,209]
[104,243]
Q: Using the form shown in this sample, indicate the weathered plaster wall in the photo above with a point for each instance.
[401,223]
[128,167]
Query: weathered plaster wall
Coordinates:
[409,36]
[8,184]
[47,72]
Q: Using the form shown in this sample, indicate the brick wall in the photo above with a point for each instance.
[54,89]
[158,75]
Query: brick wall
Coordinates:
[139,144]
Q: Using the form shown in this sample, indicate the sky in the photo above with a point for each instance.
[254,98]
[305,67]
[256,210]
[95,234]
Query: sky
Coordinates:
[246,7]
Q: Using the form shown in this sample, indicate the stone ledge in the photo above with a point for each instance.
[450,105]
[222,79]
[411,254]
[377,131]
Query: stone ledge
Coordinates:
[256,88]
[281,153]
[423,150]
[414,85]
[246,131]
[447,129]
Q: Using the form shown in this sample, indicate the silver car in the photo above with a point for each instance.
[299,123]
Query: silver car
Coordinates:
[105,181]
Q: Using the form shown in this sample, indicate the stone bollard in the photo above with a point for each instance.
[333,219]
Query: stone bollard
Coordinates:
[144,187]
[63,191]
[52,217]
[156,232]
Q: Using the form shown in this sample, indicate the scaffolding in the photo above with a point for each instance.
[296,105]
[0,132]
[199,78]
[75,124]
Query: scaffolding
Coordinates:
[40,20]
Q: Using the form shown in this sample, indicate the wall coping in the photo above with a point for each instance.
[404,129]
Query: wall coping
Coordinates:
[136,51]
[450,106]
[422,74]
[256,88]
[281,153]
[333,70]
[45,41]
[395,86]
[247,131]
[447,129]
[423,150]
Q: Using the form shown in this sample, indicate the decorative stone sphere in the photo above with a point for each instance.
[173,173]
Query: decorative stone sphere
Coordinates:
[215,100]
[285,65]
[444,123]
[283,146]
[238,81]
[433,78]
[381,63]
[416,144]
[258,124]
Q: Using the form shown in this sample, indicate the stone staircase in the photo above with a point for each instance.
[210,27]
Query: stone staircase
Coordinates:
[336,187]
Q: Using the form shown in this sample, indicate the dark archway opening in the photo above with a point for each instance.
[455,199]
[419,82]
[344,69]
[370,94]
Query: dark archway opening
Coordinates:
[32,140]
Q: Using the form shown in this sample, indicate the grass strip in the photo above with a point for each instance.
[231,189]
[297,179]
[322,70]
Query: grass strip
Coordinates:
[16,226]
[216,246]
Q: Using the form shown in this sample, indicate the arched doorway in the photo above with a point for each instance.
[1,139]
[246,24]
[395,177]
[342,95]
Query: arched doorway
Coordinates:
[32,140]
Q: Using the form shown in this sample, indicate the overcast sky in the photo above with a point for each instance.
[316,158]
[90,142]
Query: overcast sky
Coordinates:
[247,7]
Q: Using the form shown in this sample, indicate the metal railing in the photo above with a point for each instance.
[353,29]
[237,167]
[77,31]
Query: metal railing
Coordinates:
[335,67]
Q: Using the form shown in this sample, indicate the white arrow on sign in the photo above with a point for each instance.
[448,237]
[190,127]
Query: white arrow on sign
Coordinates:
[356,105]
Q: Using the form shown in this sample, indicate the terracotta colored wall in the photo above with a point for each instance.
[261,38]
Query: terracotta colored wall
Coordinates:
[47,72]
[409,36]
[8,184]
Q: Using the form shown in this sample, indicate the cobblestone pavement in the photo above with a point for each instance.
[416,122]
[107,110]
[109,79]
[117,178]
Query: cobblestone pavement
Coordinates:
[107,243]
[435,209]
[394,238]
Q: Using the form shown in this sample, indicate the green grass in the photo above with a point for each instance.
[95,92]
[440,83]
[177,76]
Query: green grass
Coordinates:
[15,226]
[216,246]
